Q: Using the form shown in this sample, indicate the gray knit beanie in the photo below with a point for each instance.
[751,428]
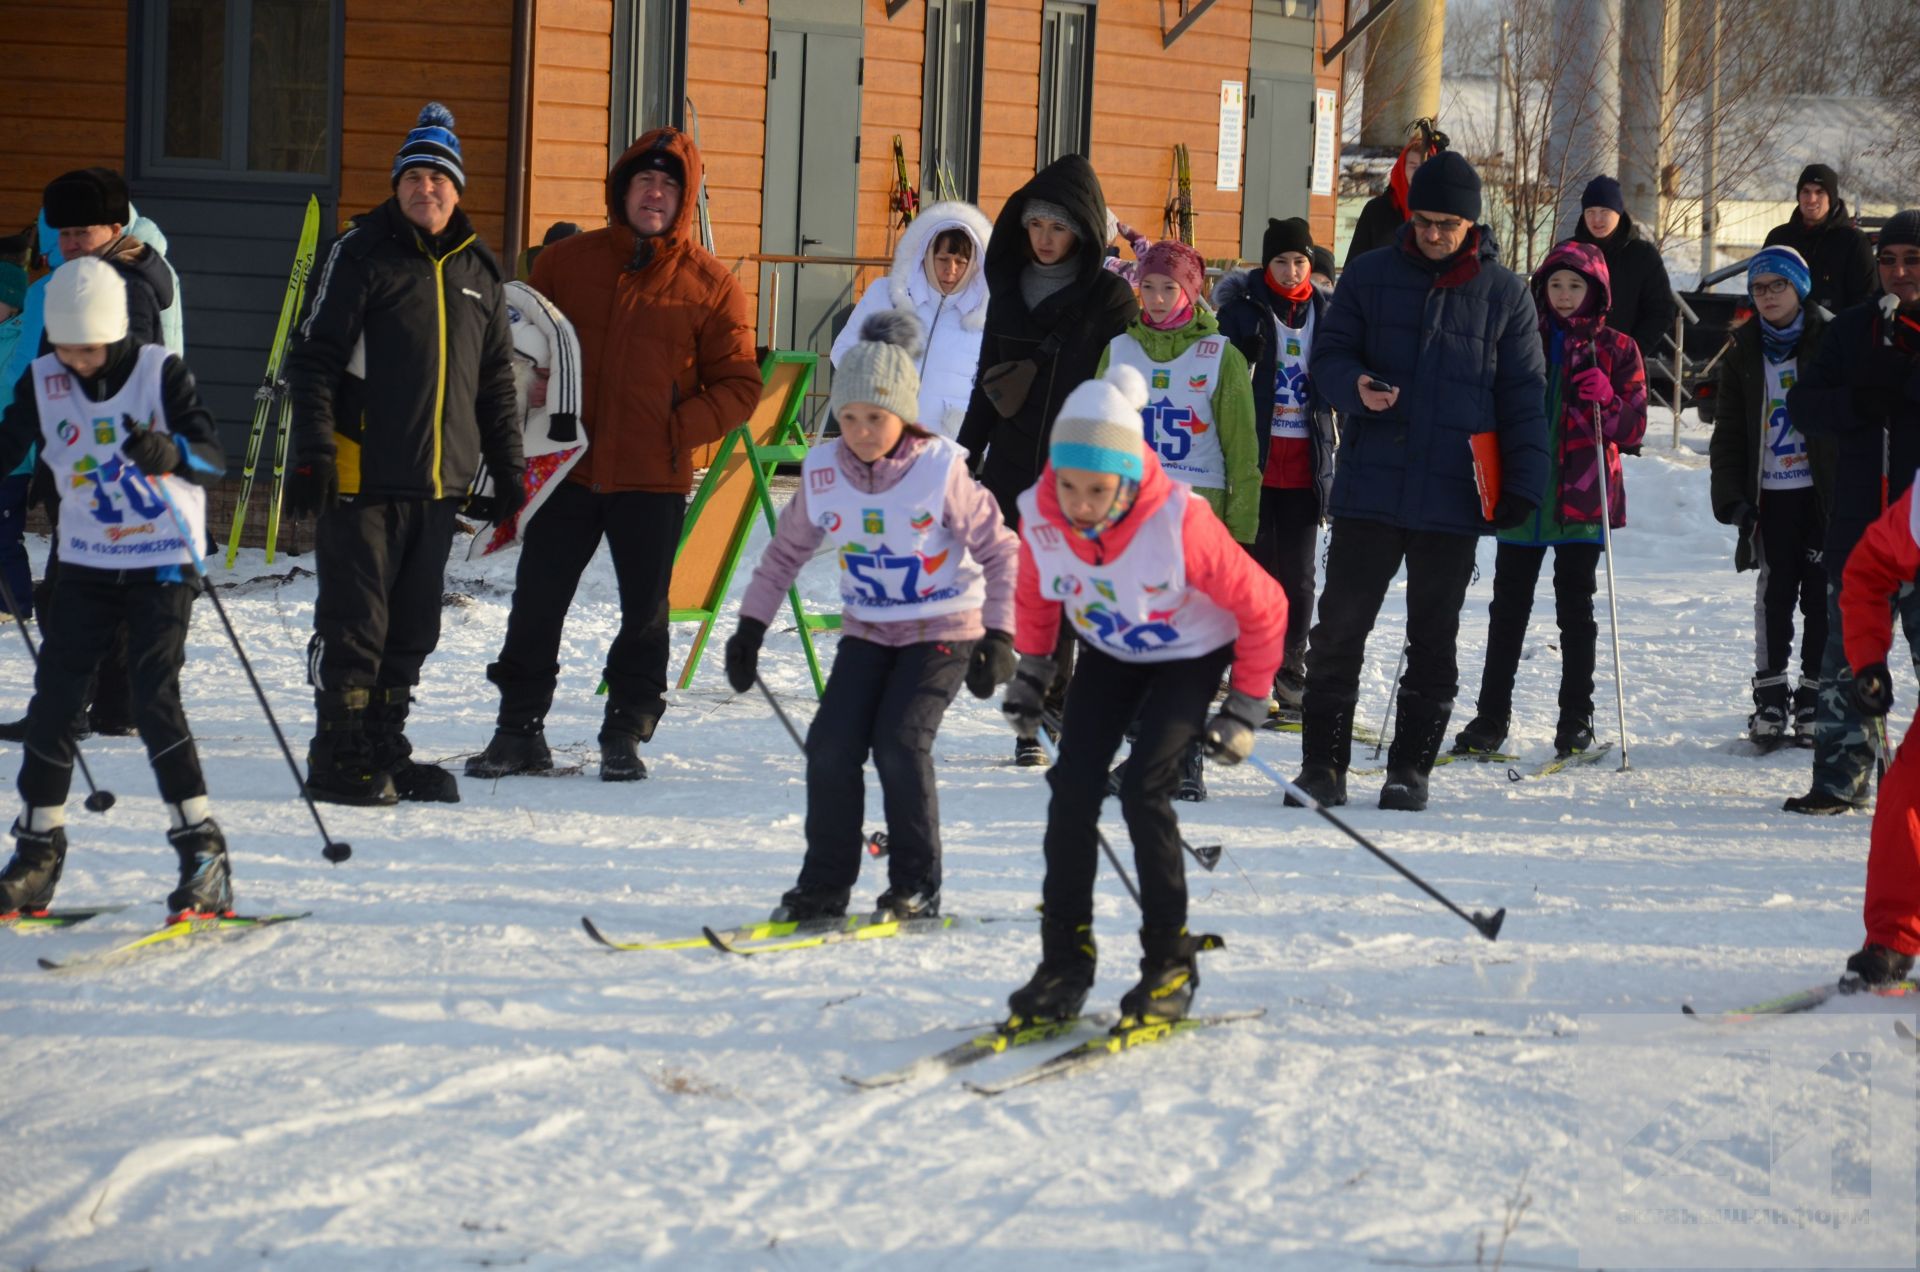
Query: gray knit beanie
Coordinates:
[883,368]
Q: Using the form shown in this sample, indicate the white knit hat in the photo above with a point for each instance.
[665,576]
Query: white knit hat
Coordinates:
[86,304]
[1099,426]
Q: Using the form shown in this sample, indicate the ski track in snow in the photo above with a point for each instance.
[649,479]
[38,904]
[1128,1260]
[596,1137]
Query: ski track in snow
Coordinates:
[439,1069]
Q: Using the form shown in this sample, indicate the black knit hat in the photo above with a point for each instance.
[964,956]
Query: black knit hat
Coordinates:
[1821,175]
[1322,260]
[1902,229]
[86,196]
[1290,235]
[1446,185]
[432,144]
[657,158]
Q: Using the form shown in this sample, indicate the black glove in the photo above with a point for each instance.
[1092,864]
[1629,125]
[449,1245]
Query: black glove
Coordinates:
[509,492]
[313,486]
[1229,736]
[1873,691]
[743,654]
[991,665]
[1021,704]
[1511,511]
[1633,450]
[155,454]
[1745,516]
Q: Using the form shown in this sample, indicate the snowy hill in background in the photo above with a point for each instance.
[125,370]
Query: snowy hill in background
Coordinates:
[438,1069]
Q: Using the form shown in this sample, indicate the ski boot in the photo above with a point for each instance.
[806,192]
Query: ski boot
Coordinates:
[340,767]
[1168,976]
[515,748]
[1326,749]
[206,883]
[1767,726]
[899,904]
[1819,803]
[1059,987]
[1806,705]
[1289,693]
[1572,737]
[1877,965]
[1483,735]
[807,905]
[1420,726]
[621,734]
[30,876]
[1193,776]
[1028,753]
[386,723]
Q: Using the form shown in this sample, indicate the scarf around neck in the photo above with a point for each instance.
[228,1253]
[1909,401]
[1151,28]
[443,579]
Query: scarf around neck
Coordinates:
[1778,343]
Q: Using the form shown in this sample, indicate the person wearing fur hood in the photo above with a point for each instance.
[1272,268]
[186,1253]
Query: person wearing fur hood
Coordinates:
[938,275]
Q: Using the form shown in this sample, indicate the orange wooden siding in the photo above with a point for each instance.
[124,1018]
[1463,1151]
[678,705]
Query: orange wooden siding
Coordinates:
[1010,99]
[64,99]
[1330,25]
[569,120]
[727,80]
[462,56]
[895,54]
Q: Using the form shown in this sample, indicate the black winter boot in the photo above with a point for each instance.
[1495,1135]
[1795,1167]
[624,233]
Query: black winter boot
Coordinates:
[1573,736]
[1483,735]
[30,876]
[514,749]
[1806,705]
[1420,726]
[1193,776]
[621,734]
[393,755]
[206,883]
[1169,976]
[1878,965]
[340,764]
[1326,751]
[901,904]
[804,905]
[1767,726]
[1060,985]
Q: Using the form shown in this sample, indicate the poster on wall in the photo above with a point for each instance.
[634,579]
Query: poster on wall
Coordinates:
[1233,100]
[1326,118]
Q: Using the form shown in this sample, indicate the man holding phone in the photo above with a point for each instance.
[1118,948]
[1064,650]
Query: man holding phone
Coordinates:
[1427,342]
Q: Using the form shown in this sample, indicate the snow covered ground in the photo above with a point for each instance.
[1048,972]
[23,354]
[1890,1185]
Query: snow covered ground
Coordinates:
[438,1069]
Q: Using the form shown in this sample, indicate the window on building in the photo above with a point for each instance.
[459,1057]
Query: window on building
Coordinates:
[950,93]
[243,86]
[649,68]
[1066,80]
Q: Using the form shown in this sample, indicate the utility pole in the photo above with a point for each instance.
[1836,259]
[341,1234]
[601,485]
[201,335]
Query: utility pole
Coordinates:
[1710,164]
[1648,57]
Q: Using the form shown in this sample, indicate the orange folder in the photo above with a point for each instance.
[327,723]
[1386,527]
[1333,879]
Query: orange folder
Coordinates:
[1486,470]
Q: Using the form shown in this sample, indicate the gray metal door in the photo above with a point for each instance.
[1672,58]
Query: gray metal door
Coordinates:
[1279,165]
[810,182]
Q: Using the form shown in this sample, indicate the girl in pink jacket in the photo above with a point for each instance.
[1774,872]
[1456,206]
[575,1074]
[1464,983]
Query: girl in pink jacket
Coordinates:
[926,579]
[1162,599]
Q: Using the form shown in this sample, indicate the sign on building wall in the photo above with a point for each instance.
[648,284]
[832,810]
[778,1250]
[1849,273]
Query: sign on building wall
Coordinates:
[1233,102]
[1326,118]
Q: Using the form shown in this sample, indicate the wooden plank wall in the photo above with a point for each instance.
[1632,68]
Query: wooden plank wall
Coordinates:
[461,55]
[65,98]
[1009,100]
[1330,23]
[572,86]
[727,80]
[896,53]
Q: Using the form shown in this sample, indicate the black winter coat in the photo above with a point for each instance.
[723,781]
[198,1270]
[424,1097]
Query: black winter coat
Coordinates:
[1245,304]
[1741,426]
[436,393]
[1866,397]
[1643,304]
[149,290]
[1380,220]
[1088,313]
[1838,256]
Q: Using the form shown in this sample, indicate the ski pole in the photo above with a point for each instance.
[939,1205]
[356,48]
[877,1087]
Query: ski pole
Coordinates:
[1393,691]
[97,801]
[1486,926]
[335,850]
[1613,602]
[1208,855]
[876,839]
[1053,757]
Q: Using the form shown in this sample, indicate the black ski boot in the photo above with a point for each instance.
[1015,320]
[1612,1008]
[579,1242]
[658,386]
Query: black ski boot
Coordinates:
[1767,726]
[340,762]
[1806,705]
[900,904]
[1059,987]
[1326,750]
[1819,803]
[805,905]
[1169,976]
[1420,726]
[1193,776]
[1028,753]
[1484,735]
[1573,736]
[1878,965]
[515,748]
[393,754]
[1290,689]
[31,875]
[621,734]
[206,884]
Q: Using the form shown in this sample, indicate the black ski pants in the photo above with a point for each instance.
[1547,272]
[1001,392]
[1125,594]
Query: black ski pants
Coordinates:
[89,606]
[1170,700]
[1516,574]
[383,570]
[642,530]
[1284,546]
[1793,575]
[1362,558]
[887,701]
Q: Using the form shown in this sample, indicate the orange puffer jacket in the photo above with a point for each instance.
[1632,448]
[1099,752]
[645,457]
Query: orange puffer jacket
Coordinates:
[666,346]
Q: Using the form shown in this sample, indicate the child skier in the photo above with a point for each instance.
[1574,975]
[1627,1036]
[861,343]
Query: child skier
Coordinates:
[1158,593]
[1775,485]
[122,428]
[1593,372]
[926,576]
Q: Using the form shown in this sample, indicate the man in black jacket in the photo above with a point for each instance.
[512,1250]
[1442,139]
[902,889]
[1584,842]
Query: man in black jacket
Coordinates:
[1862,389]
[1837,251]
[1643,305]
[90,210]
[402,381]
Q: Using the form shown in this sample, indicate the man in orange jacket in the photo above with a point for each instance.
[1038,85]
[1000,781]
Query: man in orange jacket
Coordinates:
[667,357]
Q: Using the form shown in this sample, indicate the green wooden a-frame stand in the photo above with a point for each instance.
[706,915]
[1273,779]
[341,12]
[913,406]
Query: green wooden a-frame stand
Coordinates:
[720,519]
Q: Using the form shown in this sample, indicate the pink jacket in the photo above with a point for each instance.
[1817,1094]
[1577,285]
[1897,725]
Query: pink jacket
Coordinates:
[1216,565]
[971,513]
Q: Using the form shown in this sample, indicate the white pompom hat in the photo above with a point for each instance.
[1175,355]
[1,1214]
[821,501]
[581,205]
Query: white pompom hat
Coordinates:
[86,304]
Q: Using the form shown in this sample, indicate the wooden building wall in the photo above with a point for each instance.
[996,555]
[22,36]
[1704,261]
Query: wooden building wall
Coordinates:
[64,98]
[727,81]
[895,53]
[569,120]
[1330,24]
[1010,100]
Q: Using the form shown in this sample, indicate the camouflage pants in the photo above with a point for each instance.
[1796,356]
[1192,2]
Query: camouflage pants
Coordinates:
[1842,747]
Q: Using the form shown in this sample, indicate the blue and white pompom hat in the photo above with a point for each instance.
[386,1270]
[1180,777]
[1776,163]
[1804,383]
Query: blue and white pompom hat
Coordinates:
[1099,428]
[432,144]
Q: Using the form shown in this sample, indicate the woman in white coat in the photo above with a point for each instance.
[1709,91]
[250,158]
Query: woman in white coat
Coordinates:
[937,274]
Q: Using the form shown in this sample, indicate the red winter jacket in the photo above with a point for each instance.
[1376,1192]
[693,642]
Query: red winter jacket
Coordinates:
[1885,557]
[1216,565]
